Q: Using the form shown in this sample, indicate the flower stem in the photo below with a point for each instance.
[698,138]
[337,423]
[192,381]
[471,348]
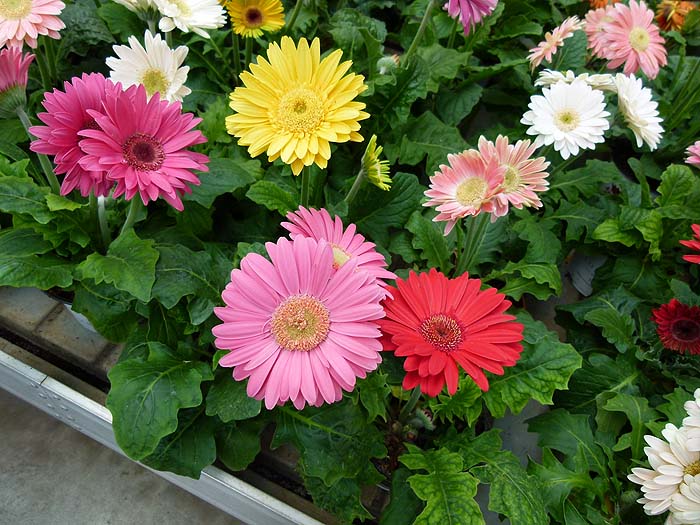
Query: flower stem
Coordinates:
[248,51]
[236,56]
[419,34]
[305,186]
[359,180]
[453,34]
[131,215]
[102,220]
[43,159]
[293,18]
[407,409]
[475,237]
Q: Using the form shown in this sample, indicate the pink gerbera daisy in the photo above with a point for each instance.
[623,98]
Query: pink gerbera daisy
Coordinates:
[595,23]
[546,49]
[296,327]
[67,113]
[470,12]
[24,20]
[14,67]
[465,187]
[634,41]
[347,244]
[141,145]
[523,177]
[693,152]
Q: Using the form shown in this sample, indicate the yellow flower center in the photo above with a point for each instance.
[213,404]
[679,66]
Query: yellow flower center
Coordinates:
[441,331]
[511,179]
[15,9]
[693,469]
[566,120]
[301,322]
[182,6]
[253,17]
[471,192]
[155,82]
[300,111]
[340,256]
[639,39]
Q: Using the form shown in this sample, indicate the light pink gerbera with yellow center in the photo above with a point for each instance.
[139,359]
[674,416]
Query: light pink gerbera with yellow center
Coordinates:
[595,23]
[22,21]
[633,40]
[524,176]
[296,328]
[465,187]
[546,49]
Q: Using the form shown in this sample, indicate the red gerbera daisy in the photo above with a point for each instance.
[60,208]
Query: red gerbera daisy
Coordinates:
[438,323]
[678,326]
[694,245]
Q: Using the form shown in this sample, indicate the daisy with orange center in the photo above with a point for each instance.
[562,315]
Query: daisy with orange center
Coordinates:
[678,326]
[670,14]
[250,18]
[546,49]
[693,245]
[440,324]
[22,21]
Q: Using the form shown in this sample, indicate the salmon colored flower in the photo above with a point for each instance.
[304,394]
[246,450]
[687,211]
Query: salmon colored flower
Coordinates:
[693,245]
[670,14]
[546,49]
[22,21]
[693,152]
[597,4]
[678,326]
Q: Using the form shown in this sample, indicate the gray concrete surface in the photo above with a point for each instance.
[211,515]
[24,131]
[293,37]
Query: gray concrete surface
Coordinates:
[51,474]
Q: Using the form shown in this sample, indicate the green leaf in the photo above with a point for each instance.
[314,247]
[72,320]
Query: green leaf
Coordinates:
[228,399]
[373,391]
[443,63]
[187,450]
[515,26]
[464,404]
[638,413]
[395,100]
[579,217]
[453,106]
[57,203]
[120,20]
[403,506]
[130,265]
[14,169]
[24,262]
[342,498]
[224,176]
[146,396]
[541,273]
[346,29]
[618,329]
[516,287]
[572,55]
[273,197]
[237,444]
[22,195]
[584,181]
[673,409]
[402,244]
[448,492]
[679,193]
[429,240]
[110,311]
[546,364]
[611,231]
[619,299]
[84,27]
[543,245]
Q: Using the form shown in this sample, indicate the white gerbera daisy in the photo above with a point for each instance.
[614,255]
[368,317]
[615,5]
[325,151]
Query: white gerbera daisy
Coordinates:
[137,5]
[686,505]
[549,77]
[692,422]
[570,116]
[670,462]
[157,67]
[639,110]
[190,15]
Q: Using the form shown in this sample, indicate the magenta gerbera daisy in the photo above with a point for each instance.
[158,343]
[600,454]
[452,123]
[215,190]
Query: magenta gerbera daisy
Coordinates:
[296,328]
[346,243]
[470,12]
[140,144]
[524,176]
[67,113]
[633,40]
[22,21]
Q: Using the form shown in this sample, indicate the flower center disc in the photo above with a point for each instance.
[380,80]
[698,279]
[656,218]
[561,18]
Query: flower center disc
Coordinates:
[182,7]
[155,82]
[15,9]
[441,331]
[471,192]
[300,111]
[143,152]
[639,39]
[253,17]
[301,322]
[693,469]
[511,179]
[686,330]
[340,256]
[566,120]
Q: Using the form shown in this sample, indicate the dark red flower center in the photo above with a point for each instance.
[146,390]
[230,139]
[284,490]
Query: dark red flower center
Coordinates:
[686,330]
[441,331]
[91,124]
[253,17]
[143,152]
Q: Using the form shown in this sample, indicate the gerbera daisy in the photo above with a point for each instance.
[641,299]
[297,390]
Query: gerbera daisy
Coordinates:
[546,49]
[670,461]
[678,326]
[296,327]
[633,40]
[377,171]
[465,187]
[693,152]
[524,176]
[596,4]
[438,323]
[140,144]
[14,68]
[693,245]
[190,15]
[692,422]
[638,110]
[470,12]
[348,246]
[68,113]
[293,105]
[22,21]
[686,505]
[137,5]
[570,116]
[595,23]
[670,14]
[250,18]
[157,67]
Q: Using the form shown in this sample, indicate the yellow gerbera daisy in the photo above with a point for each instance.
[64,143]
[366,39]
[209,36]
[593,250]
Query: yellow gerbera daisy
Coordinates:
[251,17]
[293,105]
[377,170]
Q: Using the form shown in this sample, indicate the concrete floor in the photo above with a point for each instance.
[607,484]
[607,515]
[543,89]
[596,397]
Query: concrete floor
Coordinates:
[51,474]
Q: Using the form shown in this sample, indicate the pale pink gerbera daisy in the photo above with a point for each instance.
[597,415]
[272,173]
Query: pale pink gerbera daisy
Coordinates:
[141,145]
[347,244]
[524,176]
[470,12]
[14,68]
[693,152]
[465,187]
[595,24]
[546,49]
[67,113]
[24,20]
[296,327]
[633,40]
